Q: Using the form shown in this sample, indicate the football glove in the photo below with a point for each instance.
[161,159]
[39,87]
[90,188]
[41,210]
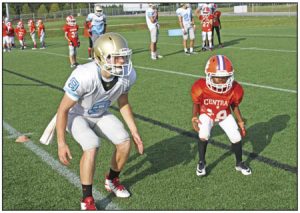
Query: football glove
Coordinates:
[195,123]
[242,129]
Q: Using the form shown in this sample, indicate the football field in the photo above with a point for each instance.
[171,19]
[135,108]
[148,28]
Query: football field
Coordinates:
[264,55]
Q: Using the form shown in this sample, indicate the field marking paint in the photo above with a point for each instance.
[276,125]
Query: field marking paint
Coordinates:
[17,135]
[62,170]
[187,74]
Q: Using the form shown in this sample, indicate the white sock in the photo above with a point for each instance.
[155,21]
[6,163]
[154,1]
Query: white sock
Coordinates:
[191,49]
[185,49]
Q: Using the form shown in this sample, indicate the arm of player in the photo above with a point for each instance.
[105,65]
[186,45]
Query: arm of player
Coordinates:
[127,114]
[195,119]
[66,37]
[197,12]
[64,153]
[237,113]
[181,25]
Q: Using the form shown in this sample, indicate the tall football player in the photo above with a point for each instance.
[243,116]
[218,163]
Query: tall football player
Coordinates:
[84,111]
[213,100]
[71,35]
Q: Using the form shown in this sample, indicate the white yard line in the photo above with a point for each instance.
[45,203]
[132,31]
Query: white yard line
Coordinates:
[187,74]
[62,170]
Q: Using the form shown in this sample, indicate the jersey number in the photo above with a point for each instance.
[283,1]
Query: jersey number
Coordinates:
[221,115]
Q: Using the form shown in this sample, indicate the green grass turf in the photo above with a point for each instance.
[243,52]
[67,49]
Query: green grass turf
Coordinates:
[164,177]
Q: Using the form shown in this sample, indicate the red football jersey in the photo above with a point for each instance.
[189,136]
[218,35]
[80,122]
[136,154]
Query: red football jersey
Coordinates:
[10,31]
[206,25]
[32,28]
[72,34]
[21,33]
[216,106]
[41,28]
[217,15]
[4,30]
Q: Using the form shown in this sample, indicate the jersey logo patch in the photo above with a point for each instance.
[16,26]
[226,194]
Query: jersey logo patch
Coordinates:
[73,84]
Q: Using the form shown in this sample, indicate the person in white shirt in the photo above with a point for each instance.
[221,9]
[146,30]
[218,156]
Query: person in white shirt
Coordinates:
[186,22]
[153,26]
[89,92]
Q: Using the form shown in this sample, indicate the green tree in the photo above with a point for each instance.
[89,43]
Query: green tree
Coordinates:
[67,6]
[54,8]
[42,9]
[12,10]
[26,9]
[81,5]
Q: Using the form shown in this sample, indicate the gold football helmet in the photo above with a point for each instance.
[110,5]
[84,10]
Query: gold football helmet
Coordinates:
[98,10]
[107,49]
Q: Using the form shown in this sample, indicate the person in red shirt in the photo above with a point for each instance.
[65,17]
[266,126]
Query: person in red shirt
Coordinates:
[41,33]
[4,36]
[21,32]
[216,24]
[32,30]
[213,100]
[88,34]
[206,21]
[10,34]
[71,35]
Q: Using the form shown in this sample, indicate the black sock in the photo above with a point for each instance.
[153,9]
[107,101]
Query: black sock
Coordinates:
[237,149]
[202,149]
[113,174]
[86,191]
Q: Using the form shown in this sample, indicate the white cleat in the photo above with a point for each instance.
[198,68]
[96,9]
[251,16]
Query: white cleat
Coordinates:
[201,169]
[159,56]
[115,187]
[245,170]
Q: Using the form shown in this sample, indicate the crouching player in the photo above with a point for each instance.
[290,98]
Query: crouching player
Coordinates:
[213,99]
[71,35]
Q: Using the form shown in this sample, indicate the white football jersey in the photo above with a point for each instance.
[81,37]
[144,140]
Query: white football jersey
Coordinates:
[186,15]
[97,23]
[85,86]
[150,13]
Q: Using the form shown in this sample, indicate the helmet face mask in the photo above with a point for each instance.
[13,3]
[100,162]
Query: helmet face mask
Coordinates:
[98,10]
[220,67]
[113,55]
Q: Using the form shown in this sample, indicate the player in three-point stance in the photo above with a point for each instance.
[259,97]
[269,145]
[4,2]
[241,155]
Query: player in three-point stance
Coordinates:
[213,100]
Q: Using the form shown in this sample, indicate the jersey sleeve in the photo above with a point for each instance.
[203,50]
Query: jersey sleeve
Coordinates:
[77,84]
[178,12]
[196,92]
[238,95]
[89,17]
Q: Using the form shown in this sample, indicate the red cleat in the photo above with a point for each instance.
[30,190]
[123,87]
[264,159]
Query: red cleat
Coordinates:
[88,204]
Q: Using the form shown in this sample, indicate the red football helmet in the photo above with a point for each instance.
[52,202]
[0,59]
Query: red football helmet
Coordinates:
[71,21]
[221,67]
[206,11]
[20,24]
[30,22]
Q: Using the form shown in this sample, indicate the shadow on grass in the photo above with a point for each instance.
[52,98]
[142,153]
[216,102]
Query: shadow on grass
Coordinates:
[181,150]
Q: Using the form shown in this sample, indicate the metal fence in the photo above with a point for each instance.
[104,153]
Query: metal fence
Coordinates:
[287,9]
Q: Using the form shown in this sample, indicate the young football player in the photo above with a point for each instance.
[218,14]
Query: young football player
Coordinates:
[206,21]
[186,22]
[10,34]
[153,26]
[88,34]
[216,24]
[32,30]
[21,32]
[98,22]
[4,36]
[71,35]
[41,33]
[89,92]
[214,100]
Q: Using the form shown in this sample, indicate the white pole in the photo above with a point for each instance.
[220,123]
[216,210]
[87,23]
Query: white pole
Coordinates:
[7,10]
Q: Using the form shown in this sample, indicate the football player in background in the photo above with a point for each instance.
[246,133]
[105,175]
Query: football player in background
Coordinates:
[41,33]
[214,98]
[21,32]
[4,36]
[153,26]
[71,35]
[10,35]
[89,92]
[186,22]
[206,22]
[32,30]
[87,32]
[216,24]
[98,22]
